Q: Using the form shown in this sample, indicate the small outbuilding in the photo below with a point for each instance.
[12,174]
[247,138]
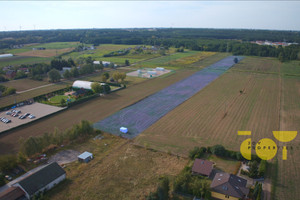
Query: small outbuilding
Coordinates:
[85,157]
[96,62]
[123,129]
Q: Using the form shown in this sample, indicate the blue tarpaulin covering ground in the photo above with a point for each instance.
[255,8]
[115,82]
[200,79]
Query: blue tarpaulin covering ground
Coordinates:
[139,116]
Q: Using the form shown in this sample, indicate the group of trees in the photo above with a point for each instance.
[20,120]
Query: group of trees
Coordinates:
[35,145]
[7,90]
[98,88]
[221,40]
[59,63]
[256,169]
[119,76]
[162,191]
[185,183]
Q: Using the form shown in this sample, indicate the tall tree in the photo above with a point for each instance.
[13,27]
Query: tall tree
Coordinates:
[54,75]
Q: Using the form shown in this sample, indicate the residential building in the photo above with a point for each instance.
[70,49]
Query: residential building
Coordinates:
[202,167]
[228,186]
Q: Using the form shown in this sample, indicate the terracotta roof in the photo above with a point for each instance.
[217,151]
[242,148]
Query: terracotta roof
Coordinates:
[230,184]
[12,193]
[203,167]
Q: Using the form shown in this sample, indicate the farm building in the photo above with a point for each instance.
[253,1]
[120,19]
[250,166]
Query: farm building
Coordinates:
[13,193]
[229,186]
[10,74]
[5,55]
[202,167]
[85,157]
[96,62]
[82,84]
[44,179]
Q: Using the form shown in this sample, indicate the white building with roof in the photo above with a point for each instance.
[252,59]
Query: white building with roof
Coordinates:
[85,157]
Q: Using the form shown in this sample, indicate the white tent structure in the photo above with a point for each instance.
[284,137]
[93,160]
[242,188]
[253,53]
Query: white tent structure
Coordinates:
[96,62]
[5,55]
[82,84]
[123,129]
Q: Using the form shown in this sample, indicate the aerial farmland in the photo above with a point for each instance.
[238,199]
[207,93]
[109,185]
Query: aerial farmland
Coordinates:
[167,105]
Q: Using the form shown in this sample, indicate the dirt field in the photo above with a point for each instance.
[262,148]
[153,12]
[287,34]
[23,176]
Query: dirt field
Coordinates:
[37,109]
[119,170]
[45,53]
[24,84]
[65,157]
[93,110]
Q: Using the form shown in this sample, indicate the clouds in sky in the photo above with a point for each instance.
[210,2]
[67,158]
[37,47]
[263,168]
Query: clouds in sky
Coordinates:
[123,14]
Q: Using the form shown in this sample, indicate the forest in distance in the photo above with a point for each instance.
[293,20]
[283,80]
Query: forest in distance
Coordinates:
[236,41]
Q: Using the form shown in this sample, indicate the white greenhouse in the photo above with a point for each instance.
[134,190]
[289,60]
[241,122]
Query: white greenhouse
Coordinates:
[82,84]
[5,55]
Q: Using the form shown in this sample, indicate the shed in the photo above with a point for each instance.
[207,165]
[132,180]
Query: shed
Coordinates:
[96,62]
[123,129]
[85,157]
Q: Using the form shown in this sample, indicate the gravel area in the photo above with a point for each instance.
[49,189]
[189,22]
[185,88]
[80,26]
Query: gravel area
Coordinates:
[64,157]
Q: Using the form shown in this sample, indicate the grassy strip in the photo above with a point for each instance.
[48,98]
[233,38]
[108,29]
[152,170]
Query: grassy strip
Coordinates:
[274,178]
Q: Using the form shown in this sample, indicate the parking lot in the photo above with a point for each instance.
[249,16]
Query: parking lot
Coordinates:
[34,112]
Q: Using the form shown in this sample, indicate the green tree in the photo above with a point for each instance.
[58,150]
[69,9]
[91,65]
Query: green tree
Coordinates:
[127,62]
[253,171]
[67,74]
[9,91]
[218,150]
[235,60]
[54,75]
[2,179]
[105,76]
[74,71]
[62,102]
[96,87]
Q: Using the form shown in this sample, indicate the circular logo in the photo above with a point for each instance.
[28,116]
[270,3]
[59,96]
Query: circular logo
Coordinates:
[266,149]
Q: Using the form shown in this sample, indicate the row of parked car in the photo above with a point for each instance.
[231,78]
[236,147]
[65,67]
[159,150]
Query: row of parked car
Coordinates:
[15,113]
[5,120]
[31,116]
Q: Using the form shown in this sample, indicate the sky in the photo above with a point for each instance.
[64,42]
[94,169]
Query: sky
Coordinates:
[36,15]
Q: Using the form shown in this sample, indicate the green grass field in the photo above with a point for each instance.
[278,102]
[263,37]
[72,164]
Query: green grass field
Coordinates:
[57,99]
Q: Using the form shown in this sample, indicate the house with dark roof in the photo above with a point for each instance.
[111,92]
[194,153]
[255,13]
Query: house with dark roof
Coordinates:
[13,193]
[42,180]
[229,186]
[10,74]
[202,167]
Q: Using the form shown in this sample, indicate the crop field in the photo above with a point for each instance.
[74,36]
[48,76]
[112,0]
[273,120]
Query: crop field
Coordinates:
[24,84]
[143,114]
[11,99]
[45,53]
[18,60]
[269,101]
[98,53]
[191,59]
[288,182]
[93,110]
[119,170]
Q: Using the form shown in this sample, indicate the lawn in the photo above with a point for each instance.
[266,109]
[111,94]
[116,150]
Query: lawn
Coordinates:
[225,164]
[57,99]
[19,60]
[119,170]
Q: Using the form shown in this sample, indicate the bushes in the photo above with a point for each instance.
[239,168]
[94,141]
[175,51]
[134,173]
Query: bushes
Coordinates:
[197,152]
[262,168]
[34,145]
[8,162]
[162,191]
